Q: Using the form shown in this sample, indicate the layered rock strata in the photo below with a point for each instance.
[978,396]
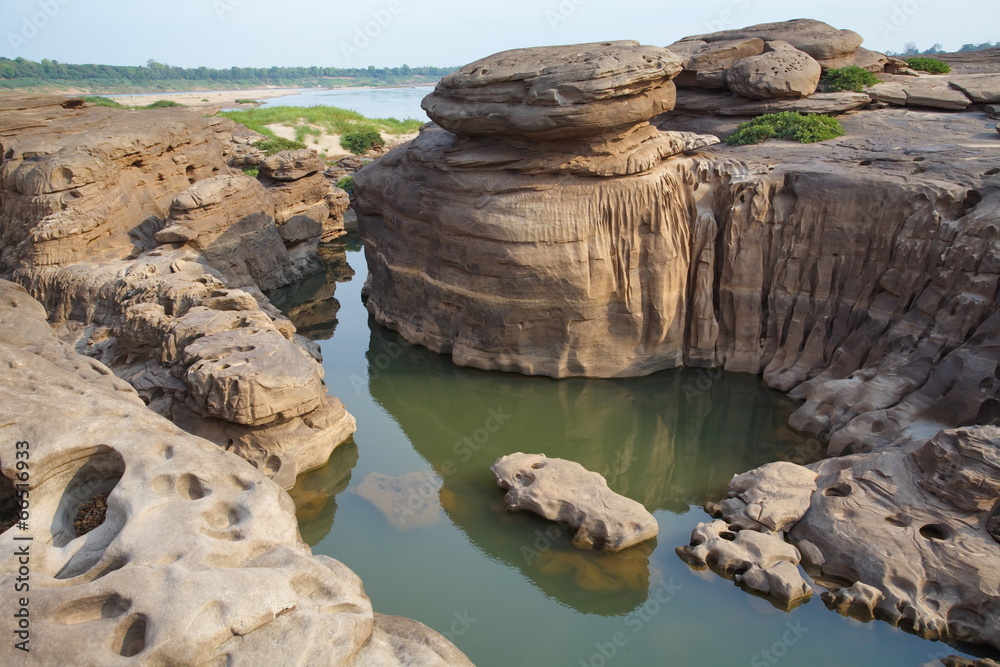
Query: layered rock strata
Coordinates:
[859,275]
[198,561]
[565,491]
[151,255]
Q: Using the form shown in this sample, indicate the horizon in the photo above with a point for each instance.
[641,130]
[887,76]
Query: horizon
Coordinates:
[374,33]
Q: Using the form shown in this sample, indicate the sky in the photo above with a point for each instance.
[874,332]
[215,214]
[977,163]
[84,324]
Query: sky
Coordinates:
[390,33]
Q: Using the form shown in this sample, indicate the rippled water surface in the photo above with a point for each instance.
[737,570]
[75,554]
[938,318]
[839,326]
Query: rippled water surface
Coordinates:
[413,509]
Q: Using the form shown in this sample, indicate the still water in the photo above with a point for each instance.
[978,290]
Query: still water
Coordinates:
[400,103]
[412,507]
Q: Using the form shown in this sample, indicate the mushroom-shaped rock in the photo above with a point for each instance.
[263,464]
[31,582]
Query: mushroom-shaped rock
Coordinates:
[820,40]
[557,92]
[783,72]
[562,490]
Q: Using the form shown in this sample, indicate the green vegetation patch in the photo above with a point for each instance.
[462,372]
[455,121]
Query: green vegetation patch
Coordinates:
[246,100]
[276,145]
[346,183]
[252,171]
[849,78]
[360,143]
[318,120]
[806,129]
[930,65]
[108,102]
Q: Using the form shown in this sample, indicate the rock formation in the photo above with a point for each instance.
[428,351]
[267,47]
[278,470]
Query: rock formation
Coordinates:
[151,254]
[859,275]
[198,560]
[565,491]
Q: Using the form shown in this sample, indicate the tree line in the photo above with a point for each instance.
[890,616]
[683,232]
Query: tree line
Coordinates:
[32,73]
[911,49]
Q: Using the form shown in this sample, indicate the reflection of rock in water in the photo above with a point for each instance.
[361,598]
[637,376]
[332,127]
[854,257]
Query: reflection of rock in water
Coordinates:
[408,501]
[310,304]
[669,441]
[315,493]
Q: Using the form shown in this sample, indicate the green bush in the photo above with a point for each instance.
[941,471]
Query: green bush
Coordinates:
[346,183]
[102,101]
[246,100]
[849,78]
[252,171]
[162,104]
[272,146]
[360,143]
[928,65]
[805,129]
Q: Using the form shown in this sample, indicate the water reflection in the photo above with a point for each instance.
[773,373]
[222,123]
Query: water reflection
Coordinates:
[310,304]
[669,441]
[315,493]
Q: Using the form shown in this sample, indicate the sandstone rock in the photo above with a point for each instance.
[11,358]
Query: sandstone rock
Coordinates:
[911,522]
[873,61]
[781,72]
[776,495]
[703,102]
[980,88]
[705,64]
[292,165]
[198,559]
[819,40]
[761,563]
[926,91]
[561,490]
[87,196]
[556,92]
[857,601]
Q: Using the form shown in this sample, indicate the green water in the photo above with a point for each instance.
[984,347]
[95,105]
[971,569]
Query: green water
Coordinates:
[508,588]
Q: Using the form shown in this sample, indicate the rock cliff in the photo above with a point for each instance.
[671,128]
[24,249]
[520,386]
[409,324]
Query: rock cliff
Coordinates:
[859,275]
[151,254]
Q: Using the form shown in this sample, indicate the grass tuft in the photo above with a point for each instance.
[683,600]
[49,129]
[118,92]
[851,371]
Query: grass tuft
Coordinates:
[805,129]
[849,78]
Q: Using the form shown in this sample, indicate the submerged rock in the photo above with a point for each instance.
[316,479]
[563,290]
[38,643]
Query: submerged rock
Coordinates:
[565,491]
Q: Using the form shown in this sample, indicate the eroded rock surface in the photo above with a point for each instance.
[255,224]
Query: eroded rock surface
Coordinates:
[565,491]
[198,560]
[151,254]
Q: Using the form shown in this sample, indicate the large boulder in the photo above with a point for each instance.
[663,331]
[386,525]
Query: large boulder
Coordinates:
[556,92]
[783,72]
[565,491]
[706,63]
[818,39]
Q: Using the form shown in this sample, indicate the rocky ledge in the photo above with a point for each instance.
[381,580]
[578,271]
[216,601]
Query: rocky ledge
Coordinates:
[198,559]
[151,252]
[859,274]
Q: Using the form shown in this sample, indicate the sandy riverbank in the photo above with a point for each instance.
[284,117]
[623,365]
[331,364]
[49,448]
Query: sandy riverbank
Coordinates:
[214,98]
[328,145]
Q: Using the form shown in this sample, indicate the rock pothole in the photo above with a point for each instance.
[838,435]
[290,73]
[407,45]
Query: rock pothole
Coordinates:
[91,514]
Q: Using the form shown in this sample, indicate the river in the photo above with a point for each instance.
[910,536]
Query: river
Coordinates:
[508,588]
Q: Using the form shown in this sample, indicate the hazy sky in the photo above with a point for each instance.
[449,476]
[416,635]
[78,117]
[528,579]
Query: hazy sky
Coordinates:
[226,33]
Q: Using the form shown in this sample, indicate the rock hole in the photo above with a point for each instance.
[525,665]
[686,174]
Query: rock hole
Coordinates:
[92,609]
[728,536]
[734,528]
[986,384]
[190,487]
[865,163]
[972,199]
[935,531]
[839,491]
[989,412]
[897,521]
[168,452]
[137,163]
[134,640]
[98,475]
[9,505]
[537,466]
[878,426]
[272,465]
[919,159]
[991,172]
[91,514]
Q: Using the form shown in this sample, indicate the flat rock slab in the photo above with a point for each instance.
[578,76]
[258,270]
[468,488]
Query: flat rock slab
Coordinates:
[562,490]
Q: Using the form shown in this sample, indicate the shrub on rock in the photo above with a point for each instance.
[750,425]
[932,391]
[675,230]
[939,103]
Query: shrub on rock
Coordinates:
[360,143]
[805,129]
[849,78]
[929,65]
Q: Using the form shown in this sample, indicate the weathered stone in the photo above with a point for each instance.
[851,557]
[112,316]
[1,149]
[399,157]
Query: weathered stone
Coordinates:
[705,64]
[760,562]
[698,101]
[873,61]
[561,490]
[292,165]
[857,601]
[776,495]
[819,40]
[198,560]
[782,72]
[980,88]
[925,91]
[556,92]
